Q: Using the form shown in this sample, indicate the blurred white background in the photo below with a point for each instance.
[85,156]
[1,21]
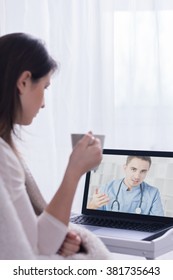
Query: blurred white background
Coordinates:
[115,78]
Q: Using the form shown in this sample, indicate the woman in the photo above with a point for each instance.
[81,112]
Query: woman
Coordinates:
[25,72]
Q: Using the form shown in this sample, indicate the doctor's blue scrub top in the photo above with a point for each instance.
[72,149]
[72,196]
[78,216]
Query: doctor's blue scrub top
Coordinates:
[129,200]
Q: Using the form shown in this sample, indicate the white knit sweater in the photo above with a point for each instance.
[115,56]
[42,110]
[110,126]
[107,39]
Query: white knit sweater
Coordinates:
[23,234]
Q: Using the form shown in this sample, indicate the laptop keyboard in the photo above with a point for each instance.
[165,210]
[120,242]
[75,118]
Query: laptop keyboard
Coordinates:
[120,224]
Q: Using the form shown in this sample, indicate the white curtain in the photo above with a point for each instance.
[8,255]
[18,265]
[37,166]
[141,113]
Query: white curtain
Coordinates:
[115,76]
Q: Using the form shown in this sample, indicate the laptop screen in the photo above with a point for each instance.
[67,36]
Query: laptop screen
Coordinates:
[128,183]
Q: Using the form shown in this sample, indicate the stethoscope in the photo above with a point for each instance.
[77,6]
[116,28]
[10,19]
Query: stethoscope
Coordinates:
[138,210]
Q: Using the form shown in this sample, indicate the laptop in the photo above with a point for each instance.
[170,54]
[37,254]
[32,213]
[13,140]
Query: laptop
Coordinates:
[146,223]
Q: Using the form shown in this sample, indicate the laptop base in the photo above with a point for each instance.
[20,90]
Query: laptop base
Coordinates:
[143,248]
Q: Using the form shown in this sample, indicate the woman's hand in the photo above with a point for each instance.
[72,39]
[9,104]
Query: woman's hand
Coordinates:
[71,244]
[86,155]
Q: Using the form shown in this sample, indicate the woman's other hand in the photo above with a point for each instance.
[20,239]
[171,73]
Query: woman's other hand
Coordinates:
[71,244]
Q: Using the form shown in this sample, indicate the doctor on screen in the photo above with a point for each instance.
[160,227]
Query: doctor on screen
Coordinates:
[130,194]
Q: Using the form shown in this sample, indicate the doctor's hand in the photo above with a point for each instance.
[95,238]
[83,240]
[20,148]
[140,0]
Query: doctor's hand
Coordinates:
[98,200]
[86,155]
[71,244]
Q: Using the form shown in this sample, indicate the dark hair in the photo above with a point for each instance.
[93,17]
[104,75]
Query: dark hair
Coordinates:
[146,158]
[19,52]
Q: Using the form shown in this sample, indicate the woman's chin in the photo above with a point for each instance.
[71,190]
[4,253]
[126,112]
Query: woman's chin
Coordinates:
[24,122]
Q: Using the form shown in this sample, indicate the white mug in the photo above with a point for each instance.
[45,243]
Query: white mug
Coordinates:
[75,137]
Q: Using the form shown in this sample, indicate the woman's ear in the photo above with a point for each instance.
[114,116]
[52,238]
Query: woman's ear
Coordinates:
[23,80]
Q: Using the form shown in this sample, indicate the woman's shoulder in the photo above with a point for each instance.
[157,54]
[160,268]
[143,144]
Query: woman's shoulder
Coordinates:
[9,163]
[4,146]
[6,151]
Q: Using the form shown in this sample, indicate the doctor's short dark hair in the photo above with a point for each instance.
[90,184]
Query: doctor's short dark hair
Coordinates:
[19,52]
[145,158]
